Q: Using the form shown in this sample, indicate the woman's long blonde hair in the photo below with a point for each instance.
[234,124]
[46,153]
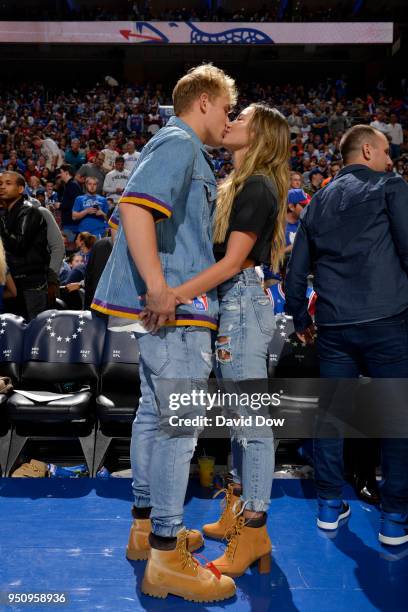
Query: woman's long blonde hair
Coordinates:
[3,264]
[268,155]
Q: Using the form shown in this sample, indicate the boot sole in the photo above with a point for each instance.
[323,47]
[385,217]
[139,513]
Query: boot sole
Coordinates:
[161,593]
[143,555]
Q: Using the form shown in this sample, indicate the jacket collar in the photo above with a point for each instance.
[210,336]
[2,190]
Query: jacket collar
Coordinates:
[181,124]
[353,168]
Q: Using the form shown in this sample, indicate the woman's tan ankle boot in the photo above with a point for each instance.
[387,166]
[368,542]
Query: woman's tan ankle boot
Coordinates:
[245,546]
[232,505]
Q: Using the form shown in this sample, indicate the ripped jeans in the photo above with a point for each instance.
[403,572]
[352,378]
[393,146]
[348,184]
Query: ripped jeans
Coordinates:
[175,359]
[246,327]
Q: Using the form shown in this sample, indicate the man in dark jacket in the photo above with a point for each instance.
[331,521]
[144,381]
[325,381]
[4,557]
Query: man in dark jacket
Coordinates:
[23,230]
[353,236]
[72,190]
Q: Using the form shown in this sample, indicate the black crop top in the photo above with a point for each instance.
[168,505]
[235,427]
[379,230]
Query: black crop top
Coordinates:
[254,210]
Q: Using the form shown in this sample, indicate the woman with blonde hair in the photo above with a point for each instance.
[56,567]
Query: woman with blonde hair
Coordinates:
[249,230]
[7,286]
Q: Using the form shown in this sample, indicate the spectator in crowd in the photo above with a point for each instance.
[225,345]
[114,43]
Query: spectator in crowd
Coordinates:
[7,285]
[315,181]
[337,122]
[396,136]
[85,243]
[135,122]
[34,186]
[297,200]
[71,191]
[23,230]
[154,121]
[379,123]
[75,156]
[334,169]
[115,180]
[51,196]
[131,156]
[92,151]
[95,170]
[296,180]
[91,210]
[295,122]
[70,263]
[31,170]
[13,163]
[50,150]
[110,154]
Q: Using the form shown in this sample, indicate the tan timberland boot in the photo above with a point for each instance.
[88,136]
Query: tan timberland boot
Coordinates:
[232,505]
[177,572]
[245,546]
[34,469]
[138,547]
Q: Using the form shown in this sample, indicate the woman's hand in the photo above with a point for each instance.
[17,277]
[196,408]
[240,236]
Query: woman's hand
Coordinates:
[151,321]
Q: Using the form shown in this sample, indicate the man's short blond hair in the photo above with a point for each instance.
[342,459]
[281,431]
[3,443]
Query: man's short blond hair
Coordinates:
[202,79]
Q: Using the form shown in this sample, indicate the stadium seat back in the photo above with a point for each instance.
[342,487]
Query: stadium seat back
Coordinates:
[12,330]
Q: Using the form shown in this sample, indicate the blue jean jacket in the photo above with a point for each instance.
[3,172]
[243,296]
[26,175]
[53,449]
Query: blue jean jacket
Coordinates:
[174,179]
[353,236]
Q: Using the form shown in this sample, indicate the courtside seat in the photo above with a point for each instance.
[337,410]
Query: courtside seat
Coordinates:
[119,391]
[12,330]
[11,352]
[59,376]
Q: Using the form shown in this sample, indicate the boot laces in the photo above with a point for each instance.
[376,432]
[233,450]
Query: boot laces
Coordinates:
[187,559]
[232,536]
[226,502]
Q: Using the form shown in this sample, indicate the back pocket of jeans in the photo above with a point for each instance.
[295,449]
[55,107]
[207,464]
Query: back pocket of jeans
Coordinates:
[264,314]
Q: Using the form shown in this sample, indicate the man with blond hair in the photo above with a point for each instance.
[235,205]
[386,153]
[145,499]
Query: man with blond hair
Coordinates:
[146,261]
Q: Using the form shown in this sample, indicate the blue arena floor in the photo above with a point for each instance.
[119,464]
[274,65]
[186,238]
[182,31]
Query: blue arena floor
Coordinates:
[70,536]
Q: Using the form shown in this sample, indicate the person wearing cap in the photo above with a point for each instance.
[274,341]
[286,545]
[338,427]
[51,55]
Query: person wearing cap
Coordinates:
[315,181]
[297,200]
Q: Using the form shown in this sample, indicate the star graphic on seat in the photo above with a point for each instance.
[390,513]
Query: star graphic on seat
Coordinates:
[59,338]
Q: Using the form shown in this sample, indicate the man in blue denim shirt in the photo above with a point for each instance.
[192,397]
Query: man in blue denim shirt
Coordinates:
[354,238]
[173,183]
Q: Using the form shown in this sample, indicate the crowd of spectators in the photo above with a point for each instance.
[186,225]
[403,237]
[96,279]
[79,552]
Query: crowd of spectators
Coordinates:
[75,151]
[145,10]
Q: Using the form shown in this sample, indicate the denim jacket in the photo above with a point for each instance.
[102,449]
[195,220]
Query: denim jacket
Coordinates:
[173,178]
[353,236]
